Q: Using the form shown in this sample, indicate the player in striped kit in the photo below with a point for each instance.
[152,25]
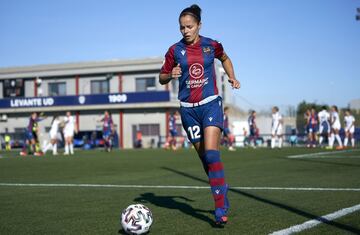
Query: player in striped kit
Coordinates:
[228,137]
[171,141]
[191,62]
[349,128]
[108,130]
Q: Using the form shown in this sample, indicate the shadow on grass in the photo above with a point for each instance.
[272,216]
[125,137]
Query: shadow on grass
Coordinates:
[274,203]
[175,203]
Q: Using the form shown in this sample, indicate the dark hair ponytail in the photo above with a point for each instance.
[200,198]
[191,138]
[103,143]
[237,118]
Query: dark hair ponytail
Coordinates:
[194,10]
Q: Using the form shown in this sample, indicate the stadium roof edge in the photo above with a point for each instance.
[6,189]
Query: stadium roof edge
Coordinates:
[78,68]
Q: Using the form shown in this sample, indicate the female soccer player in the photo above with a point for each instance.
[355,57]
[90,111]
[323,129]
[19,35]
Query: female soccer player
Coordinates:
[335,128]
[191,61]
[68,130]
[349,128]
[108,130]
[53,135]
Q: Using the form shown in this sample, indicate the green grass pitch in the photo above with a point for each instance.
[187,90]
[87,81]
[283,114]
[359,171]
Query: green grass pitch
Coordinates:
[96,210]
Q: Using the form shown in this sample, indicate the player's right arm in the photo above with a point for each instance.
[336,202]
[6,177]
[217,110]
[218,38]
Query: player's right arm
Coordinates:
[170,70]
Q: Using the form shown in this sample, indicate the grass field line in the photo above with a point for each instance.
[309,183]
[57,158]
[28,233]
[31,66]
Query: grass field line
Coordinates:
[310,155]
[314,222]
[170,187]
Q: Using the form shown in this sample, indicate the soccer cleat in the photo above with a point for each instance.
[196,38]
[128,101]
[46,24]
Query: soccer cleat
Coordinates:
[23,153]
[328,147]
[38,154]
[339,147]
[231,148]
[220,216]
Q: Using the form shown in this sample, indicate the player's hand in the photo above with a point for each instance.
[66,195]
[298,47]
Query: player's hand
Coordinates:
[176,71]
[234,83]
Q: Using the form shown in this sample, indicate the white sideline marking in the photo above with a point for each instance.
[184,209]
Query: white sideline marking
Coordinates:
[172,187]
[314,222]
[309,155]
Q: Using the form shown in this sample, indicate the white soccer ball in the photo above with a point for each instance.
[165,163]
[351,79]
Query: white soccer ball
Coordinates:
[136,219]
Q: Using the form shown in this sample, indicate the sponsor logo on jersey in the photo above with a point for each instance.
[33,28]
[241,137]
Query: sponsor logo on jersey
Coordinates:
[183,52]
[196,70]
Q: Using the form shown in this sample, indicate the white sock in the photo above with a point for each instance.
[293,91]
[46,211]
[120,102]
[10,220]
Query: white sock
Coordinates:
[55,148]
[331,140]
[353,142]
[338,139]
[72,148]
[321,140]
[273,142]
[280,142]
[47,147]
[66,149]
[346,141]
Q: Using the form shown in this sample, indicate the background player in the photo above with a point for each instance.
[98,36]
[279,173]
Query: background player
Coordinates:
[349,120]
[68,130]
[276,127]
[173,133]
[228,137]
[312,128]
[31,136]
[108,130]
[252,127]
[324,124]
[53,133]
[191,61]
[335,128]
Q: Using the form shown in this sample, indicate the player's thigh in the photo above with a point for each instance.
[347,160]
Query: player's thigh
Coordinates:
[192,125]
[212,138]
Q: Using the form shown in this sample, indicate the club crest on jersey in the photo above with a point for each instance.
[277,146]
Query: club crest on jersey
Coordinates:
[183,52]
[206,50]
[196,70]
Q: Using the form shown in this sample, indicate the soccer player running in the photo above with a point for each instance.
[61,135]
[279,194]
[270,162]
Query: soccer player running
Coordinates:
[335,128]
[53,135]
[191,62]
[171,142]
[108,131]
[69,129]
[349,128]
[228,137]
[276,128]
[324,124]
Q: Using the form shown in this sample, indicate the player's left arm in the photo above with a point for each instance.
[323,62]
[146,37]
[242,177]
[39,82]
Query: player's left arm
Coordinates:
[229,69]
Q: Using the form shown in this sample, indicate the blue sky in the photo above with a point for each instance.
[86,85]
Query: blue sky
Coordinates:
[283,51]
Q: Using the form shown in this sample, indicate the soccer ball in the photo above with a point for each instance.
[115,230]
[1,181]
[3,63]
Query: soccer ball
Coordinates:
[136,219]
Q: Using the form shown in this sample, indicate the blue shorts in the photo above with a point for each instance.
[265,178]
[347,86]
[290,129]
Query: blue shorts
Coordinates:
[173,133]
[29,135]
[312,128]
[252,131]
[226,132]
[106,134]
[196,119]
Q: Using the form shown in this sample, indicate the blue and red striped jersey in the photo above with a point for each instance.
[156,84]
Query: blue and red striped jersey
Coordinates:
[198,79]
[172,123]
[107,125]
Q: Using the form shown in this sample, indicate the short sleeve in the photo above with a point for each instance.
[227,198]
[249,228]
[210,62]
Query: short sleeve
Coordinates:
[169,62]
[219,50]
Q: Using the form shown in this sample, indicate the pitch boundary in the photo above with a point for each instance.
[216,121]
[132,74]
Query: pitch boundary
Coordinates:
[311,155]
[171,187]
[314,222]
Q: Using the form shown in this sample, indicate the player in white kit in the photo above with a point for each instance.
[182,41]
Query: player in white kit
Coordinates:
[276,127]
[349,128]
[335,128]
[69,129]
[53,136]
[324,127]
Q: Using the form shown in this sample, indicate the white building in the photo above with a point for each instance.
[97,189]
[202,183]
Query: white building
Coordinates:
[129,89]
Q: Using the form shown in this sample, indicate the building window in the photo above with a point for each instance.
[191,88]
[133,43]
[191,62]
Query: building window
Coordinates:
[146,84]
[99,87]
[57,88]
[150,129]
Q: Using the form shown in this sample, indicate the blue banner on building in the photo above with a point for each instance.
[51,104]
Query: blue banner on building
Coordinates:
[99,99]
